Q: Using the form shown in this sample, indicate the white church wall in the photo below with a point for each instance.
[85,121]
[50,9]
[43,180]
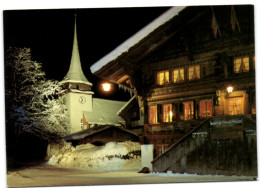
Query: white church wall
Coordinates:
[77,104]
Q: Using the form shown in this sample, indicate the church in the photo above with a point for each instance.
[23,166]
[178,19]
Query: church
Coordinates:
[85,111]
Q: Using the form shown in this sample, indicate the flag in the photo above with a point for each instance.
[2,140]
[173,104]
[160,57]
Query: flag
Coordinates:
[214,25]
[233,19]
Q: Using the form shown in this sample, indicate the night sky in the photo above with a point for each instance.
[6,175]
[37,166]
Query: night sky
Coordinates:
[49,34]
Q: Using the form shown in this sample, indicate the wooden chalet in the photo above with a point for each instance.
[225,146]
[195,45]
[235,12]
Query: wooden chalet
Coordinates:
[191,66]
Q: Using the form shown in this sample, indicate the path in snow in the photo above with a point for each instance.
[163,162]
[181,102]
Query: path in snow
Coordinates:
[47,175]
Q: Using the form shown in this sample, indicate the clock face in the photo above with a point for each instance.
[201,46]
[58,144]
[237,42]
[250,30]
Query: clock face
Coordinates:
[82,99]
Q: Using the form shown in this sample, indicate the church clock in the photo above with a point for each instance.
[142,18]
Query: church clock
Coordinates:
[82,99]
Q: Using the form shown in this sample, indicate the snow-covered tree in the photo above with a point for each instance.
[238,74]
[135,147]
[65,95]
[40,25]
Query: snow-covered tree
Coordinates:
[32,100]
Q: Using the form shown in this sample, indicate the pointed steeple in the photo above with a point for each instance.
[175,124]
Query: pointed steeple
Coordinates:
[75,73]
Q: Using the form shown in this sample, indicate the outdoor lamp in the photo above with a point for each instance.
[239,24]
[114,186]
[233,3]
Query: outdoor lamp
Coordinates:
[106,86]
[229,89]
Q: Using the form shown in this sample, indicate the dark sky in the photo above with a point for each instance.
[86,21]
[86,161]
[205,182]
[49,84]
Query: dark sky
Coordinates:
[49,34]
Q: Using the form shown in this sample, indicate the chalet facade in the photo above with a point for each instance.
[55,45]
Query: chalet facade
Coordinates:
[189,65]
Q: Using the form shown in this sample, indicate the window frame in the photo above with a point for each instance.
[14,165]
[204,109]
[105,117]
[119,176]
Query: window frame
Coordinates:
[191,113]
[206,108]
[194,66]
[168,115]
[241,105]
[155,119]
[158,82]
[173,75]
[237,71]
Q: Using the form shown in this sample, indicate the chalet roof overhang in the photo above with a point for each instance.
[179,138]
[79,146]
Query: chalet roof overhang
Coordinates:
[116,65]
[122,64]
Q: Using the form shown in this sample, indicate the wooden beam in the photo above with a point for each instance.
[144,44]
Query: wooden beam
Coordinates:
[115,73]
[122,79]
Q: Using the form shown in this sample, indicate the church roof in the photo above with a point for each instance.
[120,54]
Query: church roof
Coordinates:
[75,73]
[105,112]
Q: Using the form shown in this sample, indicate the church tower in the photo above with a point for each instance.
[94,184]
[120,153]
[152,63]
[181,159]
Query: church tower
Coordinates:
[76,89]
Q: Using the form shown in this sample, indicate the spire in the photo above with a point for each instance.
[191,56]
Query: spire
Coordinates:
[75,73]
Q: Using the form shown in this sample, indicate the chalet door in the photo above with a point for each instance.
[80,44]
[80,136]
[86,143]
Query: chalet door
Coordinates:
[235,106]
[205,108]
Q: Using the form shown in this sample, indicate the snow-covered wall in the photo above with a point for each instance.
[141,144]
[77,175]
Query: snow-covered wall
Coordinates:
[147,156]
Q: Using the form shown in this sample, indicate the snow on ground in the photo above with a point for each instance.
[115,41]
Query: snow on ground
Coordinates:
[47,175]
[111,157]
[112,164]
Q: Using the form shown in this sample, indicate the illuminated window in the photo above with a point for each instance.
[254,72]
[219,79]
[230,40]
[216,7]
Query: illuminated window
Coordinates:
[188,110]
[162,77]
[205,108]
[194,72]
[152,114]
[241,64]
[167,112]
[178,75]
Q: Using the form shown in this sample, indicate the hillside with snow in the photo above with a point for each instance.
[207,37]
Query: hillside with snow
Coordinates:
[114,156]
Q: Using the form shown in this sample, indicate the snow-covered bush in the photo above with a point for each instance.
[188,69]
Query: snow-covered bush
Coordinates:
[111,157]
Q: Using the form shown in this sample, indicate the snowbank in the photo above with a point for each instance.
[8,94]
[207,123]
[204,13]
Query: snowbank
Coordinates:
[111,157]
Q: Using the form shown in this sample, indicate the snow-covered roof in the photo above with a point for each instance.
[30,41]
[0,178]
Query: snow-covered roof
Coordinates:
[105,112]
[126,104]
[88,132]
[125,46]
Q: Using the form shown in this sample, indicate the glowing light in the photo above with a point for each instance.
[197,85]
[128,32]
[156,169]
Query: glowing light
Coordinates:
[171,114]
[229,89]
[106,87]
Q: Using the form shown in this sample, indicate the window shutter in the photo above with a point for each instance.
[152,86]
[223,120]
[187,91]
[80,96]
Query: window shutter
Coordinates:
[159,113]
[181,108]
[194,109]
[186,76]
[173,112]
[209,108]
[158,78]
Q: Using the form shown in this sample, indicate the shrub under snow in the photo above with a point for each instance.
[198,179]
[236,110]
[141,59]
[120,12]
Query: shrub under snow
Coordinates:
[113,156]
